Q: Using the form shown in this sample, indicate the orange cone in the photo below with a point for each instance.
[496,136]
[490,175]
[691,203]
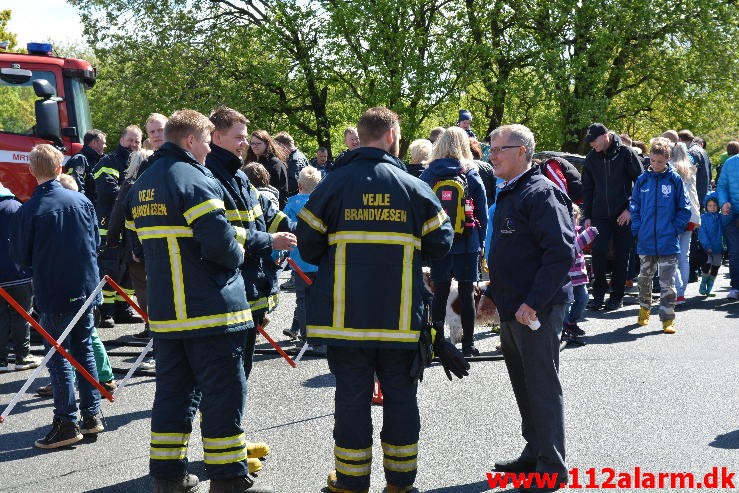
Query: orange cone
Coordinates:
[377,393]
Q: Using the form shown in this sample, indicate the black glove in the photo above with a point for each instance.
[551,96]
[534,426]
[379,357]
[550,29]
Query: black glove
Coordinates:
[451,358]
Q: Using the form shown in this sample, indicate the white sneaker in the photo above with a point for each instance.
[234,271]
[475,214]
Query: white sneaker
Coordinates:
[733,294]
[30,361]
[148,365]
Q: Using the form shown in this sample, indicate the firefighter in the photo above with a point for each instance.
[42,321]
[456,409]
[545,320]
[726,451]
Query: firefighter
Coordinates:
[81,166]
[200,318]
[367,227]
[229,140]
[109,176]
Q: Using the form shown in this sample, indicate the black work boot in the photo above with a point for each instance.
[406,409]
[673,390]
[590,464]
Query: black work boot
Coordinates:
[185,484]
[237,485]
[124,314]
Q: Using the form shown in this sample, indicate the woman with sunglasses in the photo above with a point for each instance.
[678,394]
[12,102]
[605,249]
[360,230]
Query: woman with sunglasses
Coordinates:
[264,150]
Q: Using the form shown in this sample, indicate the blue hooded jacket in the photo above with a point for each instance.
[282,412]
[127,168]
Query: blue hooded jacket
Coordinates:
[440,168]
[10,273]
[660,211]
[710,234]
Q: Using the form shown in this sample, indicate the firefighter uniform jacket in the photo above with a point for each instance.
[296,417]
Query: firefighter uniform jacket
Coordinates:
[367,226]
[192,253]
[108,179]
[259,219]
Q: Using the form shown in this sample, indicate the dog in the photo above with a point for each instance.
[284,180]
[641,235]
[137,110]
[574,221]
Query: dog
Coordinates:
[453,320]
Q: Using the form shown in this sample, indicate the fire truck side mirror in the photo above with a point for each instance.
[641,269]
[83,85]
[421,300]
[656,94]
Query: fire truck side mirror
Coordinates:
[43,89]
[47,111]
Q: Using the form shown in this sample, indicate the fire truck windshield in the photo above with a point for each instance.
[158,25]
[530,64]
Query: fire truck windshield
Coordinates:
[17,114]
[80,106]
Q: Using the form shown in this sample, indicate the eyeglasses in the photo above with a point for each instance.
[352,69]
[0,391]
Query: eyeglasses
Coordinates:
[498,150]
[257,143]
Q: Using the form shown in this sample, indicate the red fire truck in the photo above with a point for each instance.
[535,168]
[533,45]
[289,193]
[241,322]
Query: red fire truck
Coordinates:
[43,99]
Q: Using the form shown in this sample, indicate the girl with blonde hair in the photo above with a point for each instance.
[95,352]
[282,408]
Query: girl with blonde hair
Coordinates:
[452,163]
[687,169]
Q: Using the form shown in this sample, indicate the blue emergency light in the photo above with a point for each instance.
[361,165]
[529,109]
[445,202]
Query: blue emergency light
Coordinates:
[39,49]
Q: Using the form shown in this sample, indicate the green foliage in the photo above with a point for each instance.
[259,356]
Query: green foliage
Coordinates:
[312,67]
[6,35]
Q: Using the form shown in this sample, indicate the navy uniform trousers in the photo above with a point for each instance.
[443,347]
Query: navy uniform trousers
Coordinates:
[532,359]
[354,369]
[205,373]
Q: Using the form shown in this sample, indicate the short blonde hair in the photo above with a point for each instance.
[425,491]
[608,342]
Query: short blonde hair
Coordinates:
[308,178]
[68,182]
[44,160]
[420,151]
[156,117]
[184,123]
[455,144]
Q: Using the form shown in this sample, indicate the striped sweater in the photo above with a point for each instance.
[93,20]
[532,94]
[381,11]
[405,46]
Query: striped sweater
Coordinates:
[578,271]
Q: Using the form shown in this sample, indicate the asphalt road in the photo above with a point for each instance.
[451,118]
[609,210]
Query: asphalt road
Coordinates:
[634,397]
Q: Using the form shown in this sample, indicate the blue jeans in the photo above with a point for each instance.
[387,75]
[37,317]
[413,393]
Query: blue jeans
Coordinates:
[577,308]
[682,273]
[79,345]
[731,233]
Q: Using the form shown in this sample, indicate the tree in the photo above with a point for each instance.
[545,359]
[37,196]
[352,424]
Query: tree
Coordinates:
[6,35]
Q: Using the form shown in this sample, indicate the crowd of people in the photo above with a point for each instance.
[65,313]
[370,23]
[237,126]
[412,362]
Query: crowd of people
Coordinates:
[197,219]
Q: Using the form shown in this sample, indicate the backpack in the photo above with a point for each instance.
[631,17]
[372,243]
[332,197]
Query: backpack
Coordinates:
[453,194]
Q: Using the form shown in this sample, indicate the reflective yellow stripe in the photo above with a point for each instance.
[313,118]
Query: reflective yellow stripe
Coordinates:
[240,235]
[200,322]
[202,209]
[350,334]
[246,216]
[400,450]
[224,442]
[109,296]
[267,302]
[103,232]
[170,438]
[353,469]
[406,290]
[256,212]
[339,285]
[175,453]
[224,457]
[434,223]
[152,232]
[233,215]
[110,171]
[312,220]
[400,466]
[130,225]
[375,237]
[178,284]
[279,217]
[353,454]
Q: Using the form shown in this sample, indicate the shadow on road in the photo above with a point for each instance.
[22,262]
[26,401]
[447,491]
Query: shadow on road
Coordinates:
[143,483]
[320,381]
[726,441]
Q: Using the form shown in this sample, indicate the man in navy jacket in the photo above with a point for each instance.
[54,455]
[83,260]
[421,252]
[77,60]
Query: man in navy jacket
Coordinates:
[532,251]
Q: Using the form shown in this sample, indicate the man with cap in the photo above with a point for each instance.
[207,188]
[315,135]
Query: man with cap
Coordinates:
[607,177]
[465,121]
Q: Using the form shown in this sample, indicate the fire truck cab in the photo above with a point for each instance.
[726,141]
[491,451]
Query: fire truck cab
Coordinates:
[43,99]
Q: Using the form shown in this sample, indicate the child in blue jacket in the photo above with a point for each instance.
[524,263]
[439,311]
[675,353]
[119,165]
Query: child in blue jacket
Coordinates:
[660,211]
[710,236]
[308,178]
